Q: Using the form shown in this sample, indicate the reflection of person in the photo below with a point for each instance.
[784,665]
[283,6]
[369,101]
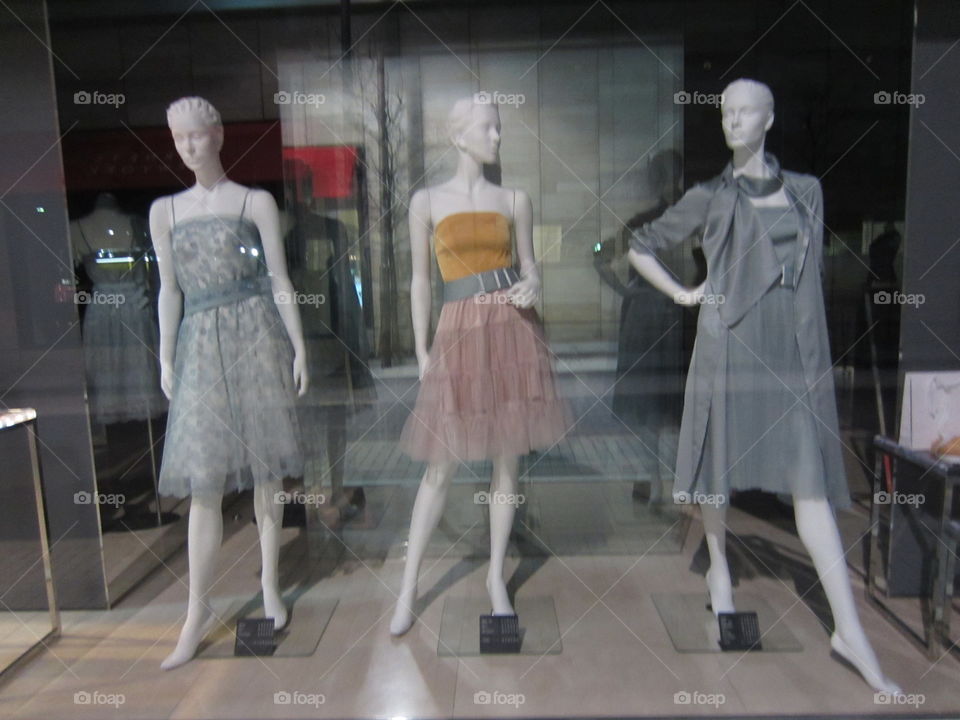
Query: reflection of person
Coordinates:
[226,364]
[759,409]
[647,393]
[487,388]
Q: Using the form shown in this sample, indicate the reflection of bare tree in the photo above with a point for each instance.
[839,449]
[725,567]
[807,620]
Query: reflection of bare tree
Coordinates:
[382,109]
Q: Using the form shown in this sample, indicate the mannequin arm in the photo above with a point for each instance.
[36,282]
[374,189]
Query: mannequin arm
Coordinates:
[420,299]
[264,212]
[679,222]
[526,292]
[170,300]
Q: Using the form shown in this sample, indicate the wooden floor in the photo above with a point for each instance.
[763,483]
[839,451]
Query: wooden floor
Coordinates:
[617,659]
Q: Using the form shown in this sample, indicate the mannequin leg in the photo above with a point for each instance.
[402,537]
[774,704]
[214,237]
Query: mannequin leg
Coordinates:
[503,487]
[204,533]
[269,515]
[427,510]
[718,576]
[817,528]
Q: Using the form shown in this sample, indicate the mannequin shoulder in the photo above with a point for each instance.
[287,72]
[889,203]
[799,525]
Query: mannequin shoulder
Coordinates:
[160,210]
[801,181]
[420,202]
[260,200]
[807,187]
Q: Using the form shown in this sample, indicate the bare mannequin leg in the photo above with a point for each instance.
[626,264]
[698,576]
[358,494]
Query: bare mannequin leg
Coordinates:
[817,528]
[427,510]
[718,576]
[204,533]
[269,512]
[503,488]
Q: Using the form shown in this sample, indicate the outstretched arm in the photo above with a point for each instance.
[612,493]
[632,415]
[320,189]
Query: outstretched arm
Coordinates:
[264,212]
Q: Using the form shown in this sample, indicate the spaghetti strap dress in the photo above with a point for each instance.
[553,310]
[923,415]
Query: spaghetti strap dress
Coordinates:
[232,423]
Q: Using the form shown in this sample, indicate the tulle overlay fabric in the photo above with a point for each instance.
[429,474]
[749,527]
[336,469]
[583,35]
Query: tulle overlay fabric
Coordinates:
[233,421]
[490,389]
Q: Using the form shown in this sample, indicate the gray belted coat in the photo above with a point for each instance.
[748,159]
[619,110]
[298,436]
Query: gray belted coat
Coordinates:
[710,211]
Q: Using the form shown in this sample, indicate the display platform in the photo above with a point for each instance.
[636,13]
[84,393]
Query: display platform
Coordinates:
[309,617]
[460,626]
[694,629]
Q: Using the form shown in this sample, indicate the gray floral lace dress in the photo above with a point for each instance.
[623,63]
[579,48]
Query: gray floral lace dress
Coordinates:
[232,423]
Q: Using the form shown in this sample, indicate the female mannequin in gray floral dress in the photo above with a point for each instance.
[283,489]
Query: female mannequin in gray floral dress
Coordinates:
[230,371]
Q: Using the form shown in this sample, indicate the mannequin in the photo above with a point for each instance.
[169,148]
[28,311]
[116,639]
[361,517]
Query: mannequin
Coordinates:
[225,361]
[119,337]
[759,408]
[487,388]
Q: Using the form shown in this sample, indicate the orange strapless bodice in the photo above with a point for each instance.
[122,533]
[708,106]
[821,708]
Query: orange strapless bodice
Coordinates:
[472,242]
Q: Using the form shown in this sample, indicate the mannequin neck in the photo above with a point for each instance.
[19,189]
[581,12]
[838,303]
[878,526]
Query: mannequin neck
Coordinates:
[750,162]
[209,176]
[469,176]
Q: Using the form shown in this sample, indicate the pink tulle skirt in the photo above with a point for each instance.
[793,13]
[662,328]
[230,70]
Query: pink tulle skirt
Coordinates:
[490,389]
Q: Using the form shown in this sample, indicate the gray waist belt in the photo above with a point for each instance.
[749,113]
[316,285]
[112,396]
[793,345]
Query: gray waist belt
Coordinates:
[225,293]
[480,283]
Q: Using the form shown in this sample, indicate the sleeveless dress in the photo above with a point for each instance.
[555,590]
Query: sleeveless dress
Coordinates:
[761,433]
[491,389]
[120,339]
[232,422]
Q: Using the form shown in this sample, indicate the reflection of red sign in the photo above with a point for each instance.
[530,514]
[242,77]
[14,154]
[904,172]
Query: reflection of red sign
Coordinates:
[145,157]
[330,170]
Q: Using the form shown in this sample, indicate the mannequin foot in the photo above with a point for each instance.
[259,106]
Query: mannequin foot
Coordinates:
[403,616]
[191,635]
[499,600]
[273,607]
[859,654]
[721,590]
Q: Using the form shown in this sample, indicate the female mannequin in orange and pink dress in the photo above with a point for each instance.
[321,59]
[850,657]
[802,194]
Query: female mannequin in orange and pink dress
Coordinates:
[487,386]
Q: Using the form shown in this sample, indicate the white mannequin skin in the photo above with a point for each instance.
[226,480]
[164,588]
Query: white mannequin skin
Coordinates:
[198,143]
[747,115]
[476,135]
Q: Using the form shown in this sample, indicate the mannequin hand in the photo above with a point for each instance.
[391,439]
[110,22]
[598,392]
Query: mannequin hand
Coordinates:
[166,379]
[525,292]
[423,362]
[300,378]
[690,297]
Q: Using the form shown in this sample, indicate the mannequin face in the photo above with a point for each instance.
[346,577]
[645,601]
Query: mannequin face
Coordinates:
[481,140]
[746,117]
[197,143]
